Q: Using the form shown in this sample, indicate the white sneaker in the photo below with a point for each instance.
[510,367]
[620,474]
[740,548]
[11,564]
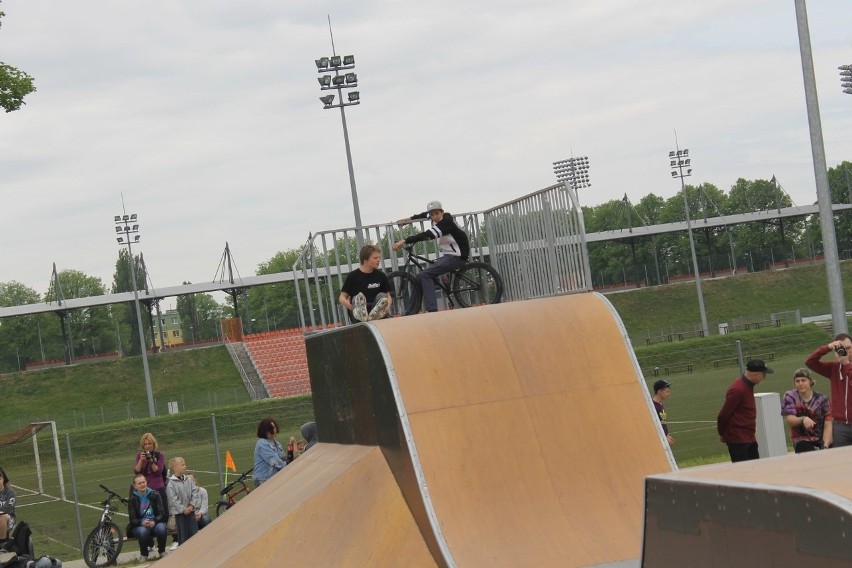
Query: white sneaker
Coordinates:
[381,309]
[359,307]
[173,547]
[153,554]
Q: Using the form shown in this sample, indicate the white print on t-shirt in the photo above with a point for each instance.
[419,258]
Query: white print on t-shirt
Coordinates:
[372,285]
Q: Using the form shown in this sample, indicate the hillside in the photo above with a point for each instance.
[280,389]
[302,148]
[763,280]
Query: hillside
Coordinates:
[749,297]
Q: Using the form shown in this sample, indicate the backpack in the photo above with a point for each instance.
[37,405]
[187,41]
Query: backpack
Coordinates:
[17,561]
[45,562]
[22,541]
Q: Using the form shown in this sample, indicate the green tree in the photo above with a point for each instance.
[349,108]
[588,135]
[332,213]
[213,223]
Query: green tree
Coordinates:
[18,335]
[126,315]
[91,329]
[199,316]
[14,84]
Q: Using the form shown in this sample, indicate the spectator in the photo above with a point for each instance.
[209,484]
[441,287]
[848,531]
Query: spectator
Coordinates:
[365,292]
[269,455]
[7,509]
[147,517]
[309,433]
[838,373]
[202,517]
[737,420]
[808,413]
[183,501]
[151,463]
[662,391]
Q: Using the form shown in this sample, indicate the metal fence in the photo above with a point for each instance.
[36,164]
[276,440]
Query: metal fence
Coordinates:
[60,498]
[536,243]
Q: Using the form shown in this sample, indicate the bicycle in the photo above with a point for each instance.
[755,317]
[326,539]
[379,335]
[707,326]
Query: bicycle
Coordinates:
[473,284]
[103,545]
[231,499]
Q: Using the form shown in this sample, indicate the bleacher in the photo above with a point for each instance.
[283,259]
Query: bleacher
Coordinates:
[281,361]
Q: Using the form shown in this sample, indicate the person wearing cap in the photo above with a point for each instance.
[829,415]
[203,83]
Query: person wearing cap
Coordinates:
[737,419]
[452,241]
[838,373]
[808,413]
[662,391]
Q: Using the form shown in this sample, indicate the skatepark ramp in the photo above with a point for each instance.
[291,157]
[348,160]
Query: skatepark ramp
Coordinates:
[793,510]
[509,435]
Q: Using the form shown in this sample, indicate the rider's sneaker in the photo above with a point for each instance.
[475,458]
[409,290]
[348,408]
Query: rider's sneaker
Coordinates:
[173,547]
[153,554]
[359,307]
[381,309]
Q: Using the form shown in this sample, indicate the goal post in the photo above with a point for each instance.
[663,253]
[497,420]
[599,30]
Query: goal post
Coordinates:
[23,462]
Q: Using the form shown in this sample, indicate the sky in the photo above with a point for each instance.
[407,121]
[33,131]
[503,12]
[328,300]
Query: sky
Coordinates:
[203,117]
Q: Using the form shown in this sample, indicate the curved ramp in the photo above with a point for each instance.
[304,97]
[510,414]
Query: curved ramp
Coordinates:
[516,435]
[793,510]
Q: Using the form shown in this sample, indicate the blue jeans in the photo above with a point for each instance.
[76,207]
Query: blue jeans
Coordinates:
[203,521]
[446,263]
[145,537]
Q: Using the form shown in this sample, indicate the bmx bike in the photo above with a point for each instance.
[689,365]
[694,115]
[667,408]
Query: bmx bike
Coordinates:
[103,545]
[475,283]
[231,492]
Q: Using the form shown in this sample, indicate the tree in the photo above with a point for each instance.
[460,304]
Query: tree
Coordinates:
[14,84]
[18,335]
[122,281]
[199,316]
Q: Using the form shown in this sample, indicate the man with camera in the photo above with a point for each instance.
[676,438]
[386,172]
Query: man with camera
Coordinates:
[839,374]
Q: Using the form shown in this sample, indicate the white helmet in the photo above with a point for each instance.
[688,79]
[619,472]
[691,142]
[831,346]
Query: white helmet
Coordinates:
[433,205]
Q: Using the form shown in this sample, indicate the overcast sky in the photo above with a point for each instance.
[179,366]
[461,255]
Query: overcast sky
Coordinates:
[205,115]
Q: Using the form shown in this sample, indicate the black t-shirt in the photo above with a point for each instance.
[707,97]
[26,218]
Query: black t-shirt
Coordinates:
[369,283]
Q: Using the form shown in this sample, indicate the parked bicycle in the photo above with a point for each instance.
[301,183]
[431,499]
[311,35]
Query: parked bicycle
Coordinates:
[103,545]
[231,495]
[473,284]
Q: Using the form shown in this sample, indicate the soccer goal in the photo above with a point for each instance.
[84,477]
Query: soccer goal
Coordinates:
[33,464]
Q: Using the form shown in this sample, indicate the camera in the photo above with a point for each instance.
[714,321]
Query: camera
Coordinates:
[149,456]
[841,351]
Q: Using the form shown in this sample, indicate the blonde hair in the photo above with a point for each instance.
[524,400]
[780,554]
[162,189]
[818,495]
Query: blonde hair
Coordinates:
[148,436]
[174,460]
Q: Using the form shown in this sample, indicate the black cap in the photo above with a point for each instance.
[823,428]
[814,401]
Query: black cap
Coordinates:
[660,385]
[758,366]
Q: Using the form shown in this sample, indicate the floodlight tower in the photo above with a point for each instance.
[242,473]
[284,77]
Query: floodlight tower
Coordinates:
[125,226]
[678,160]
[339,81]
[573,173]
[846,78]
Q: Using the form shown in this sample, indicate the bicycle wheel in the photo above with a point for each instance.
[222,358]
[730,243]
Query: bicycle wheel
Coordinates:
[221,507]
[477,283]
[406,293]
[103,545]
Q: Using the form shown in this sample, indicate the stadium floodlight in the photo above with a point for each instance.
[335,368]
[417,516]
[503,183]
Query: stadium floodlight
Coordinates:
[123,226]
[340,81]
[678,172]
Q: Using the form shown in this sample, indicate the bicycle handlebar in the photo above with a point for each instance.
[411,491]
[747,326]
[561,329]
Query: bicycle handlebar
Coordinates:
[240,479]
[112,494]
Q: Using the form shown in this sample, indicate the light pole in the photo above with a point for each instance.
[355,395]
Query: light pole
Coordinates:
[846,78]
[678,160]
[126,226]
[574,174]
[338,82]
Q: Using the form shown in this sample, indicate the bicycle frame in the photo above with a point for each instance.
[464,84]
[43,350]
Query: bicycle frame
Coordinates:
[413,259]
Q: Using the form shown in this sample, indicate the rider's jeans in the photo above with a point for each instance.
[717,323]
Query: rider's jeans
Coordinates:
[446,263]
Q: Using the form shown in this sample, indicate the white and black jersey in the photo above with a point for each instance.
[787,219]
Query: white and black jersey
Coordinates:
[451,239]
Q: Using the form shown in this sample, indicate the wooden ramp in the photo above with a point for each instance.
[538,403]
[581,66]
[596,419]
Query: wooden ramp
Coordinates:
[510,435]
[793,510]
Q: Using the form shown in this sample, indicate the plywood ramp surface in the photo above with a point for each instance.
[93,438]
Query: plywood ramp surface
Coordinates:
[793,510]
[532,428]
[334,506]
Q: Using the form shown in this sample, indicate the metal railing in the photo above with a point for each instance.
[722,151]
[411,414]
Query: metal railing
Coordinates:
[536,243]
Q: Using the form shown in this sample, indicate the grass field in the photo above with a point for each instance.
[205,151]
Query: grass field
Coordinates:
[105,455]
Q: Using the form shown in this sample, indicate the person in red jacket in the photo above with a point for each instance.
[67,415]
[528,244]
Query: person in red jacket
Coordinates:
[838,373]
[737,420]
